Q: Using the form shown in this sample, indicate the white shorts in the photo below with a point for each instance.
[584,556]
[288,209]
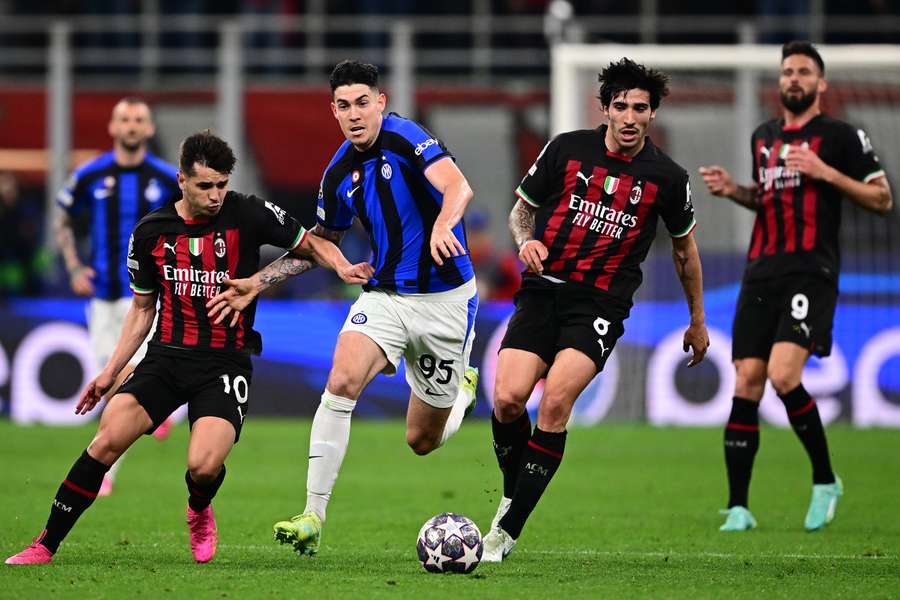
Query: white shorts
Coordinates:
[433,332]
[105,318]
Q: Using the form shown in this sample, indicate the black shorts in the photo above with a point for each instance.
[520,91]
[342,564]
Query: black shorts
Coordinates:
[212,385]
[549,319]
[796,308]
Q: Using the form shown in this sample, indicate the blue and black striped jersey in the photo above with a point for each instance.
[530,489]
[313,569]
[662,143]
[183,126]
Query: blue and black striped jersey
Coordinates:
[386,189]
[116,198]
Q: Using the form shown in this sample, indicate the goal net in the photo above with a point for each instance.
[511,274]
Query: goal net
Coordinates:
[719,94]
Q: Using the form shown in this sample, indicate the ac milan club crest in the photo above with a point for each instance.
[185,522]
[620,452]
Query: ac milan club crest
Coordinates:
[219,245]
[635,196]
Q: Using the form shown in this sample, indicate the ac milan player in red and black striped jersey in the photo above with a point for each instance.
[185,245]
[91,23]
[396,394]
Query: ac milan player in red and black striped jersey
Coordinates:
[587,214]
[183,254]
[803,164]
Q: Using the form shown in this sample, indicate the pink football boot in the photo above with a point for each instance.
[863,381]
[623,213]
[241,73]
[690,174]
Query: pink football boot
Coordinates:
[204,535]
[35,554]
[162,432]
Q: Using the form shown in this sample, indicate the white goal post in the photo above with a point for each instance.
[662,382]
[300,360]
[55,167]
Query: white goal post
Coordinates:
[568,59]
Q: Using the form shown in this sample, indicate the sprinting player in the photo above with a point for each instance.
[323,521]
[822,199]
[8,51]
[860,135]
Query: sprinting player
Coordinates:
[803,163]
[181,254]
[596,196]
[116,190]
[406,190]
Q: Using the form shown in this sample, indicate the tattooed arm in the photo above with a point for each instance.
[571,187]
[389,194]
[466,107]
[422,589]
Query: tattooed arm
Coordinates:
[532,252]
[80,275]
[687,266]
[318,248]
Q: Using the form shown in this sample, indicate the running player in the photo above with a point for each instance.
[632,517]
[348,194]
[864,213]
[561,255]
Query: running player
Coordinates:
[405,188]
[181,254]
[116,190]
[585,219]
[803,163]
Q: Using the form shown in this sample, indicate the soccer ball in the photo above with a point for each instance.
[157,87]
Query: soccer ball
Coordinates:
[449,543]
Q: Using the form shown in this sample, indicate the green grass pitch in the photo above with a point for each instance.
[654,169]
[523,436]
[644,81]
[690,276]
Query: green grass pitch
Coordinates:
[631,513]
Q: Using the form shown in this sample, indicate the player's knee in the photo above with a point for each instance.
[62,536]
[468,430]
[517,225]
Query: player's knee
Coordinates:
[106,446]
[783,379]
[342,382]
[554,412]
[204,471]
[508,403]
[749,384]
[421,442]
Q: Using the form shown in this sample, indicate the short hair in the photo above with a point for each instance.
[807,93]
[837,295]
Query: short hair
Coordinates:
[805,48]
[627,75]
[132,100]
[349,72]
[207,149]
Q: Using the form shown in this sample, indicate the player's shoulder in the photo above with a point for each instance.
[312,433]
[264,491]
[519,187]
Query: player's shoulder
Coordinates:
[663,164]
[162,220]
[837,126]
[95,166]
[155,163]
[408,129]
[340,164]
[577,138]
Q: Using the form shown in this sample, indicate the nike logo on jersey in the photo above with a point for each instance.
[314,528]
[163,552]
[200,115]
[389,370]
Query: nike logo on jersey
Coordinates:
[351,192]
[428,392]
[170,247]
[587,180]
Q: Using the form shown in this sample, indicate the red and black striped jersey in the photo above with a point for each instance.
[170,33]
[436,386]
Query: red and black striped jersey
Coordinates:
[185,262]
[799,218]
[598,210]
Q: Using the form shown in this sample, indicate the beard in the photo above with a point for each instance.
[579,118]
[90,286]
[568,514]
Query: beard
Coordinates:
[131,147]
[798,104]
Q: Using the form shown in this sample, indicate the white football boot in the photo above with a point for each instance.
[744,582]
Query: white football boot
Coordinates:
[497,545]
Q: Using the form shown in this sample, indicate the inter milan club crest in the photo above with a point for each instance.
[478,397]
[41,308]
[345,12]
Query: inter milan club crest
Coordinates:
[153,193]
[358,318]
[219,245]
[195,245]
[610,184]
[354,177]
[109,181]
[635,196]
[386,171]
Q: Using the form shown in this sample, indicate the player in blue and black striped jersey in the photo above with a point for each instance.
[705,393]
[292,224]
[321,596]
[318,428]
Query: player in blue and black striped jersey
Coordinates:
[114,191]
[403,185]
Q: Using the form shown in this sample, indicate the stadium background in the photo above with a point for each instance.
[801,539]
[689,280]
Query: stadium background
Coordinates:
[477,73]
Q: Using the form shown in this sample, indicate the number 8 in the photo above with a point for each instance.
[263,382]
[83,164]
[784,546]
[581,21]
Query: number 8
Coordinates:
[799,306]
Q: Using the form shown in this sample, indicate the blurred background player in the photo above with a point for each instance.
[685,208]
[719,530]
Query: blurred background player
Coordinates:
[181,255]
[113,191]
[803,163]
[597,196]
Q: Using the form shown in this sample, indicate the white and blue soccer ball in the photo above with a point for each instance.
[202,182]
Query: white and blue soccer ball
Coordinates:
[449,543]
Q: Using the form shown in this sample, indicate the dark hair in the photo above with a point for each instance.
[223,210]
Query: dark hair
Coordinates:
[627,75]
[805,48]
[348,72]
[207,149]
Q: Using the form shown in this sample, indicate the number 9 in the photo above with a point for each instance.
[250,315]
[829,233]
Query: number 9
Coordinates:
[799,306]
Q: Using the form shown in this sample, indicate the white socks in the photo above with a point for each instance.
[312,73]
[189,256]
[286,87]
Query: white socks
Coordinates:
[328,442]
[463,398]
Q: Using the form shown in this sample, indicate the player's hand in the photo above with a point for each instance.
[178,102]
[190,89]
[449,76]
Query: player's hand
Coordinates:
[444,244]
[718,181]
[533,253]
[805,161]
[82,281]
[696,338]
[94,392]
[357,274]
[237,296]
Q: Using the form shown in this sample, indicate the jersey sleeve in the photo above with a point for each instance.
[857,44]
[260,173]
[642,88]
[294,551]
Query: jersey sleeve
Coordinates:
[677,210]
[272,224]
[860,161]
[142,272]
[332,212]
[68,196]
[537,185]
[424,148]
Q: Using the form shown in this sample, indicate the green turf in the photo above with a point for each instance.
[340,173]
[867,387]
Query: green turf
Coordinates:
[631,513]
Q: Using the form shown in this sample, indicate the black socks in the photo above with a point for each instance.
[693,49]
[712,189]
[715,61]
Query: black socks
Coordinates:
[74,496]
[741,444]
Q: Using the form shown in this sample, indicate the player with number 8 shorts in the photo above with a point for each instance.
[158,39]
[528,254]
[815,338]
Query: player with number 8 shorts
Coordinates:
[586,215]
[803,164]
[181,255]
